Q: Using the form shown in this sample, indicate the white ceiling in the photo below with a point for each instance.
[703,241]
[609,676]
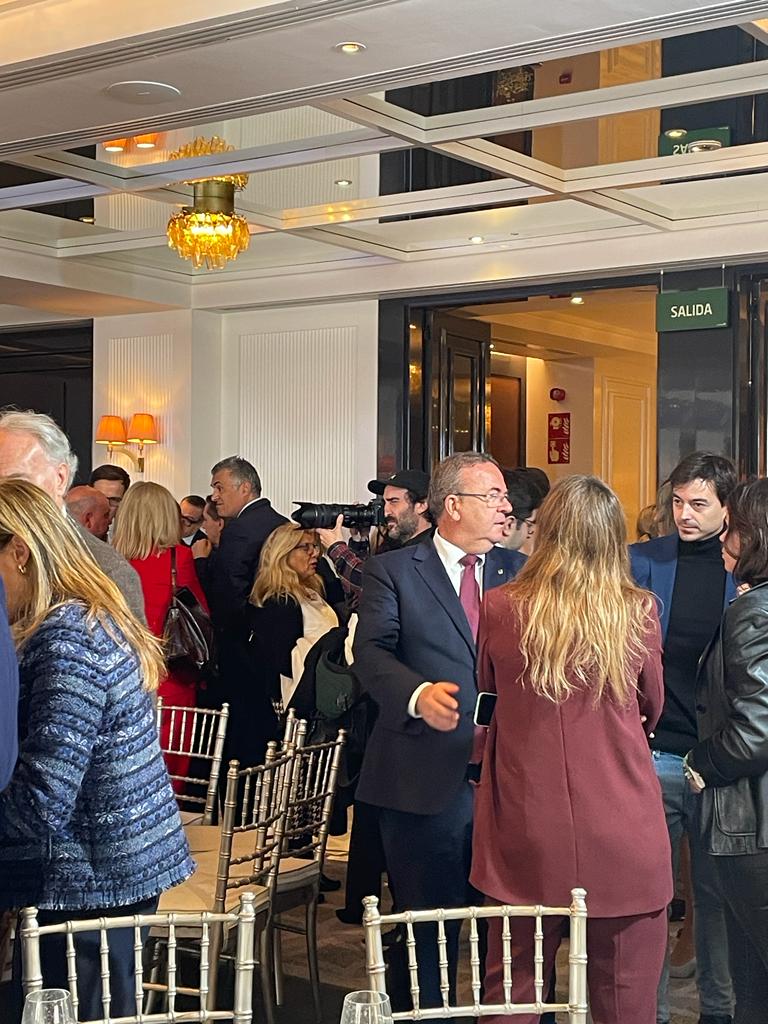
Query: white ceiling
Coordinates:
[58,56]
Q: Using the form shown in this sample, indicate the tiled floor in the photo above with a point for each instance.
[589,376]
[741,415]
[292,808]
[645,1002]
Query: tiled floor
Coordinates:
[342,963]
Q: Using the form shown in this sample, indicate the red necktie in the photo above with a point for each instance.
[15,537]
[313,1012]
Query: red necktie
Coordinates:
[469,592]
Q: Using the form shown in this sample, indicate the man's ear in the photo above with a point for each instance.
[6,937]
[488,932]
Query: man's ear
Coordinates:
[62,480]
[420,507]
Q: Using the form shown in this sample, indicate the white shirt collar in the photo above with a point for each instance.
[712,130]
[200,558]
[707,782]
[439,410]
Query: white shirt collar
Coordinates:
[252,502]
[449,553]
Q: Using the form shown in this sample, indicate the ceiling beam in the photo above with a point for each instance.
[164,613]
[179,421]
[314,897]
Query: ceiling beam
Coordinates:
[405,204]
[650,94]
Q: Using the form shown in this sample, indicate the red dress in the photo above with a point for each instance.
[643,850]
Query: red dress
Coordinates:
[180,685]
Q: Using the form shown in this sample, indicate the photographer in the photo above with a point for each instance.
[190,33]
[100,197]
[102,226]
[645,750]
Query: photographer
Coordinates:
[406,518]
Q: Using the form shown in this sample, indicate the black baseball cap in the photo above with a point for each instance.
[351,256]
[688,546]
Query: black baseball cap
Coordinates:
[413,480]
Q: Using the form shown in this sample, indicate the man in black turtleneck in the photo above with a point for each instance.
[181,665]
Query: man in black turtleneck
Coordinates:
[685,571]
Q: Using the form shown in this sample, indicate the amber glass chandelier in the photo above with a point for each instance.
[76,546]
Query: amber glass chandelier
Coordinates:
[209,233]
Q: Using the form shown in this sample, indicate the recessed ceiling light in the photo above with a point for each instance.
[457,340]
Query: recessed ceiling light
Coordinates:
[476,239]
[491,346]
[577,300]
[142,92]
[87,220]
[115,145]
[343,182]
[412,326]
[676,133]
[705,146]
[349,47]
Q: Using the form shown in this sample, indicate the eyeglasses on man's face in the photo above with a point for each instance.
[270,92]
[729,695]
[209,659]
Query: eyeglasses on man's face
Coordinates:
[493,499]
[308,548]
[190,521]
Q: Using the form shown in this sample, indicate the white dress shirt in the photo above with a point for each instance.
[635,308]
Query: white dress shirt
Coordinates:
[450,556]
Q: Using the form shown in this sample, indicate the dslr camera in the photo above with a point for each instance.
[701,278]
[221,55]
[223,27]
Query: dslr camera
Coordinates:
[311,516]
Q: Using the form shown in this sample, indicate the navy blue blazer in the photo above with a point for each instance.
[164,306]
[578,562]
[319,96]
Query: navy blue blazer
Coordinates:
[9,698]
[654,566]
[412,629]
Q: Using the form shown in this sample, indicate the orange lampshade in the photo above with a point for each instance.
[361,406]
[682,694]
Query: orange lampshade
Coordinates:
[148,141]
[111,430]
[115,145]
[143,429]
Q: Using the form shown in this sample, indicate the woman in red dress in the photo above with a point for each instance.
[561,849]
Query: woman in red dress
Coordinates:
[147,529]
[568,795]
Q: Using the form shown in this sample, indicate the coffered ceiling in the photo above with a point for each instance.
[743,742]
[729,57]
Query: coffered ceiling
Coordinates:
[309,124]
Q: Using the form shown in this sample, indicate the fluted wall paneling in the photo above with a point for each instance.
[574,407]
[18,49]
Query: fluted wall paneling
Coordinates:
[142,378]
[298,416]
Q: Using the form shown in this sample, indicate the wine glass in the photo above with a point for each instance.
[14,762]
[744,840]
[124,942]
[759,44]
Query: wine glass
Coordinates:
[49,1006]
[366,1007]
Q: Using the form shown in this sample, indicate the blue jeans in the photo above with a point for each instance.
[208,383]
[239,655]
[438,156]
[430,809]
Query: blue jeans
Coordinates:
[713,977]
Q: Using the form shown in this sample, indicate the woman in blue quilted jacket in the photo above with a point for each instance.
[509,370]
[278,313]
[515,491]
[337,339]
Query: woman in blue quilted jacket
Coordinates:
[88,824]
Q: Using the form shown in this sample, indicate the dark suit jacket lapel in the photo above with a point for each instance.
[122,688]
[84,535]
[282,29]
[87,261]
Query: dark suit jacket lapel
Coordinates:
[497,570]
[432,571]
[663,573]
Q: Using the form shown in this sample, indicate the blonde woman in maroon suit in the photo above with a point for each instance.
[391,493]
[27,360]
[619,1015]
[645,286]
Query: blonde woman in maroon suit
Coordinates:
[568,795]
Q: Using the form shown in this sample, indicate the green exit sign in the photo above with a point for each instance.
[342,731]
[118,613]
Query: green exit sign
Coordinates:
[675,141]
[692,311]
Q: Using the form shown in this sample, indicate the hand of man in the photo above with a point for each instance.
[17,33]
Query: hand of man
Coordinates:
[437,706]
[332,536]
[201,548]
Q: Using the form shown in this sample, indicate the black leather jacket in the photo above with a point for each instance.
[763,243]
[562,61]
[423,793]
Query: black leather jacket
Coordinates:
[732,710]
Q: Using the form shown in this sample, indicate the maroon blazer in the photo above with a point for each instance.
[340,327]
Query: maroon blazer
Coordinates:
[569,795]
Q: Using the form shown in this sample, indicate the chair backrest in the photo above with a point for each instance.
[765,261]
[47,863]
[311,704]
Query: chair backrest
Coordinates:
[313,788]
[575,1007]
[197,734]
[194,1008]
[253,823]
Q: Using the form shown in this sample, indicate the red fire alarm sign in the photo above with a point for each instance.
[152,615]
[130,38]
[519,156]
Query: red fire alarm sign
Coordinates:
[559,438]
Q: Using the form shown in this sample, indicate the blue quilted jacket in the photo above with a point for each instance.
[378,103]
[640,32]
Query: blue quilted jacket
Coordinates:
[89,819]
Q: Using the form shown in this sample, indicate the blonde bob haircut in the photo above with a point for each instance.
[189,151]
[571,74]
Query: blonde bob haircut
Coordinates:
[60,570]
[147,522]
[275,578]
[583,620]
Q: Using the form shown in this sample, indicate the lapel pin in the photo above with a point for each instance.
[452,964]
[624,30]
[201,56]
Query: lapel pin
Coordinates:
[500,572]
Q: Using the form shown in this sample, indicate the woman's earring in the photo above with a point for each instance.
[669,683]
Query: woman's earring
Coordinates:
[22,569]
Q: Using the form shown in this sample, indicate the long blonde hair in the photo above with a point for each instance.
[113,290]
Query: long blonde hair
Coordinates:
[275,578]
[61,570]
[148,521]
[583,619]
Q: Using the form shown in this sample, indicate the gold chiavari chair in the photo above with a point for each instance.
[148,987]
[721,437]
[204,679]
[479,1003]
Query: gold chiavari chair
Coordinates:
[199,734]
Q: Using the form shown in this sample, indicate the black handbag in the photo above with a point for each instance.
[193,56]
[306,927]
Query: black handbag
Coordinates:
[187,631]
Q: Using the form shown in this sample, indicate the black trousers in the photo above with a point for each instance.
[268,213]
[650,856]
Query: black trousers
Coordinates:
[428,859]
[744,885]
[365,864]
[87,962]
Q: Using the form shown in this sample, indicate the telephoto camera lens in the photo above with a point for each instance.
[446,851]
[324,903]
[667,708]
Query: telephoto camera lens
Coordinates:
[311,516]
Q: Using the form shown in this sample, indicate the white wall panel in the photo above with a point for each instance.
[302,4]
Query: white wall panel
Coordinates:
[147,372]
[300,399]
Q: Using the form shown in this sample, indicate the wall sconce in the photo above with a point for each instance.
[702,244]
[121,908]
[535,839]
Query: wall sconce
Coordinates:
[142,430]
[150,140]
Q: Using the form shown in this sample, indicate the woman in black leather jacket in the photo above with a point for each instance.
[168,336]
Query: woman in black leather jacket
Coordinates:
[729,766]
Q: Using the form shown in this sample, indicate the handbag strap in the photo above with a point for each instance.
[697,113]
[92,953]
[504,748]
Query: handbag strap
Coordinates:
[174,584]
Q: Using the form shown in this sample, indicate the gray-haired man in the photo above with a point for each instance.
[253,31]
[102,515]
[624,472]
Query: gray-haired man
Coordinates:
[33,446]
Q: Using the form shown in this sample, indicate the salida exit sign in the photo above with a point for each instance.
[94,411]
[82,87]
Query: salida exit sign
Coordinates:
[692,311]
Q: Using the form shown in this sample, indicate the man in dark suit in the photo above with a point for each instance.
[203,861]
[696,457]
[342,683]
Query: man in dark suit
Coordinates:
[686,573]
[415,648]
[227,575]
